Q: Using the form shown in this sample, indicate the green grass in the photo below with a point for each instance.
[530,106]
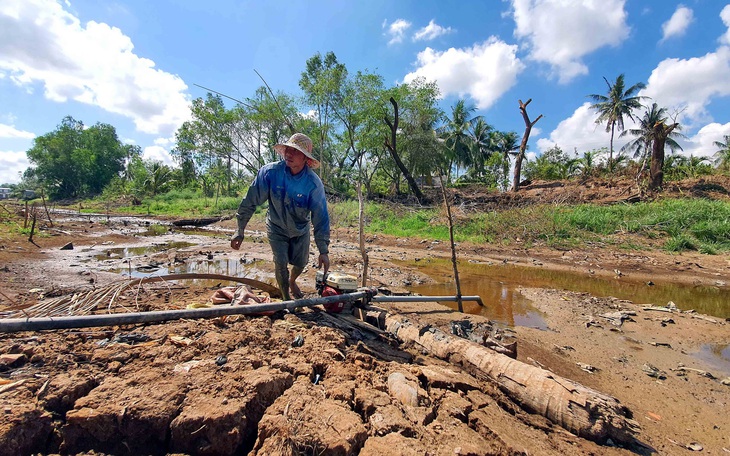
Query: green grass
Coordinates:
[675,224]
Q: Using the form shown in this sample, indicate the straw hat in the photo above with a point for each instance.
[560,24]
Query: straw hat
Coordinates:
[303,144]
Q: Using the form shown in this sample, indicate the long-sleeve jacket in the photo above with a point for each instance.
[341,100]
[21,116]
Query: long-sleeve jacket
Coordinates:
[294,201]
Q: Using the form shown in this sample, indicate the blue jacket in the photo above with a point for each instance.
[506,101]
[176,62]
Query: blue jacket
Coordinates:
[294,201]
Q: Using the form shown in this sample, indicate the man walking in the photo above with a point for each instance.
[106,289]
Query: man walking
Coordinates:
[296,202]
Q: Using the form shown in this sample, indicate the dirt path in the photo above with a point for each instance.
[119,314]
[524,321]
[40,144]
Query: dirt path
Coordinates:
[237,384]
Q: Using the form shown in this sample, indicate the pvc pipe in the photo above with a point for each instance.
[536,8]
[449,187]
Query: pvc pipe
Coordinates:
[86,321]
[426,299]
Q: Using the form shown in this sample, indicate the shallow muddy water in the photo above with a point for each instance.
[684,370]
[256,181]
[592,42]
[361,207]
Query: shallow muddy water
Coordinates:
[497,285]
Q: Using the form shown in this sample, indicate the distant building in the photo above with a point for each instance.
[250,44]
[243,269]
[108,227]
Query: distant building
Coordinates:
[29,194]
[4,193]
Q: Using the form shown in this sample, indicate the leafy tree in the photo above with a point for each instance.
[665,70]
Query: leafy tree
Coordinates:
[482,136]
[615,105]
[322,83]
[159,178]
[654,133]
[75,161]
[681,167]
[722,155]
[456,135]
[553,164]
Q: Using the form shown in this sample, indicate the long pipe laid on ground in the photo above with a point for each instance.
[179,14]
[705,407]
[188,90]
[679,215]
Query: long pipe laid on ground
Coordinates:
[86,321]
[426,299]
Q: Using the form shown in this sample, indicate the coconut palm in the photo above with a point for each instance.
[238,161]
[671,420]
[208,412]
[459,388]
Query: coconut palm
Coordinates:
[617,104]
[455,133]
[651,138]
[722,156]
[482,148]
[654,133]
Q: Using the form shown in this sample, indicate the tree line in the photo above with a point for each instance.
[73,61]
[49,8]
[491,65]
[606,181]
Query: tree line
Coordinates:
[390,140]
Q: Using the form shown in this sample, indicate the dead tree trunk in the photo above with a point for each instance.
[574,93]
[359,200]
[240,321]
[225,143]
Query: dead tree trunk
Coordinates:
[523,144]
[391,146]
[584,412]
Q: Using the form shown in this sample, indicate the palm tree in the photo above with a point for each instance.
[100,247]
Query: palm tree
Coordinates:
[722,156]
[615,105]
[481,135]
[455,133]
[654,133]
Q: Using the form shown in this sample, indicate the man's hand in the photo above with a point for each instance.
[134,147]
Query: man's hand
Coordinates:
[236,240]
[324,261]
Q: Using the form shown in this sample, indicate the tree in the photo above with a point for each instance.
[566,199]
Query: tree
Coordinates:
[722,156]
[456,135]
[322,82]
[523,145]
[391,145]
[75,161]
[617,104]
[482,137]
[654,133]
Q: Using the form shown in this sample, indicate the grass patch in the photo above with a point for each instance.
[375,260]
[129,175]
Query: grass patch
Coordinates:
[677,224]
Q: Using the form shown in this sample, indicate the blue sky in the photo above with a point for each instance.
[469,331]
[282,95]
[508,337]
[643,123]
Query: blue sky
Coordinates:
[134,64]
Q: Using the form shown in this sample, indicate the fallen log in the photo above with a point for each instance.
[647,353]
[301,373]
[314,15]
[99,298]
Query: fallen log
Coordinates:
[199,221]
[584,412]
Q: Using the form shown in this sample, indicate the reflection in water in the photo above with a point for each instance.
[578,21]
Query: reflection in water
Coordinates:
[125,252]
[718,356]
[232,268]
[502,303]
[496,284]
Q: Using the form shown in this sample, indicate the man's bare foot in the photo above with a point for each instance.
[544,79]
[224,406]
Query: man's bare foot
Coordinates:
[295,291]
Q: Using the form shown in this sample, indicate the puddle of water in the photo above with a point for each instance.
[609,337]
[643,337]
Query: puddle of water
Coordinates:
[717,356]
[125,252]
[223,267]
[496,284]
[502,303]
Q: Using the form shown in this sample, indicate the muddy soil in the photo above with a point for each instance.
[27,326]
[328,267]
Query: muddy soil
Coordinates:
[251,385]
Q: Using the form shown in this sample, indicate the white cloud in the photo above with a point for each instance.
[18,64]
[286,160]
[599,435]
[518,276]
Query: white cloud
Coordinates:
[12,163]
[702,144]
[690,84]
[92,63]
[560,33]
[678,23]
[158,153]
[580,131]
[431,31]
[396,30]
[9,131]
[484,71]
[725,16]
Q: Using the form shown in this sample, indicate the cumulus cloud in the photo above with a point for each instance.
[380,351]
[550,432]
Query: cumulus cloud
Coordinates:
[484,71]
[678,23]
[580,131]
[158,153]
[92,63]
[431,31]
[396,30]
[690,84]
[12,164]
[725,16]
[560,33]
[9,131]
[702,144]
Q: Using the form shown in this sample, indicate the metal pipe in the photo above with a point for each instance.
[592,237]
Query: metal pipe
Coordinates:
[86,321]
[426,299]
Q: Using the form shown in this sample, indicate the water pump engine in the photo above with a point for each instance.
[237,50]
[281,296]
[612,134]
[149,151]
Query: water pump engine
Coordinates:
[335,283]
